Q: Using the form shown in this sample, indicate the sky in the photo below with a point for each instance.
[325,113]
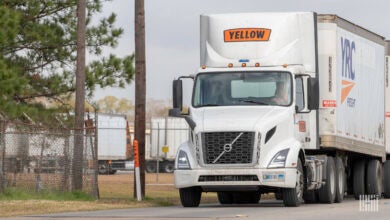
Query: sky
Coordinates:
[172,32]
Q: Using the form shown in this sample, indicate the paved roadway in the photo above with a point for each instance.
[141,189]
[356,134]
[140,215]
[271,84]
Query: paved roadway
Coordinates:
[270,209]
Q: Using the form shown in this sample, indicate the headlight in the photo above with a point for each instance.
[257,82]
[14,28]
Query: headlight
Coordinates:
[182,161]
[279,160]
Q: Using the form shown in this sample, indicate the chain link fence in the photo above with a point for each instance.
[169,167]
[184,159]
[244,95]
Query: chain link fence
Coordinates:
[36,158]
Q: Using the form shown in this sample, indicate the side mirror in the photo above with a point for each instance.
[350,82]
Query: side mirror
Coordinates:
[177,94]
[313,93]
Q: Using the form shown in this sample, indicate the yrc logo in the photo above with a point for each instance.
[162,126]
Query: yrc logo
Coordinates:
[348,49]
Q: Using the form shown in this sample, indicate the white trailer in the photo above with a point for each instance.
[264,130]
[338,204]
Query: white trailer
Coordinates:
[290,103]
[112,143]
[162,141]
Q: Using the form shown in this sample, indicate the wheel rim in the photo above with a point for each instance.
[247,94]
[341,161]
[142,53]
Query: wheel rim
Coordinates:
[169,168]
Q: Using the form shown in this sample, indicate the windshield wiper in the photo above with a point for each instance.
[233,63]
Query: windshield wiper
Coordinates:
[253,101]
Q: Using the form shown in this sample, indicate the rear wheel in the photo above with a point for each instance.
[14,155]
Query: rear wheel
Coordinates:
[190,197]
[225,197]
[104,168]
[386,180]
[374,177]
[340,180]
[293,197]
[327,193]
[359,178]
[151,167]
[168,167]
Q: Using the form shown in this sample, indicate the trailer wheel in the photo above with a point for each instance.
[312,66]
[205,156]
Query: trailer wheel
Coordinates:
[225,197]
[374,177]
[340,180]
[151,167]
[293,197]
[104,168]
[190,197]
[169,167]
[359,178]
[327,193]
[386,180]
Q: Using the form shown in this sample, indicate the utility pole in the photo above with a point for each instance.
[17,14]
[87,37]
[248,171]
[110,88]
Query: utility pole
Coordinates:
[140,88]
[77,166]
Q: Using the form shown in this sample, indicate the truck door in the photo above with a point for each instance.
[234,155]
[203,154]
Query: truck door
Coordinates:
[304,129]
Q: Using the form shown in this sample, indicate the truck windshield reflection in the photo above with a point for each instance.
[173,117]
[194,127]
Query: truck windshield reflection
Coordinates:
[243,88]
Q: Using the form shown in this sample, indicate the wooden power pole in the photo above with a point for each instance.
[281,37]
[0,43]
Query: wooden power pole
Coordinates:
[77,166]
[140,87]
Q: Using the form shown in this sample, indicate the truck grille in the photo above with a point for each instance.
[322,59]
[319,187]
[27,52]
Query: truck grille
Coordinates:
[241,152]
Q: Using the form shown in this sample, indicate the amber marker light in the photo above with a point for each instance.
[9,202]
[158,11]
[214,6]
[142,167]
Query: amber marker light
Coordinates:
[257,64]
[203,66]
[230,65]
[285,65]
[243,64]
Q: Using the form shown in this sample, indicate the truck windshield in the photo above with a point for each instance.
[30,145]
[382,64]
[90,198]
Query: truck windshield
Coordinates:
[242,88]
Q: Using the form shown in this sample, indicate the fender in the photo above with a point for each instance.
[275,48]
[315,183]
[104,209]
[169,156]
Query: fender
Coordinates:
[189,149]
[293,155]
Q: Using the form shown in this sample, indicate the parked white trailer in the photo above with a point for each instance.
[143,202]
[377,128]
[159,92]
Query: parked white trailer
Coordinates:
[164,138]
[290,103]
[112,143]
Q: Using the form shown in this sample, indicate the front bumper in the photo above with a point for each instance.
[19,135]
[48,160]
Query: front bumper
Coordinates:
[280,178]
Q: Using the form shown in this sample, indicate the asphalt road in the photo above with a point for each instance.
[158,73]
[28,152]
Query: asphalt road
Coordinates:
[270,209]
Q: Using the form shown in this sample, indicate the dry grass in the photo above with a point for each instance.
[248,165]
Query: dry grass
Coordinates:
[116,192]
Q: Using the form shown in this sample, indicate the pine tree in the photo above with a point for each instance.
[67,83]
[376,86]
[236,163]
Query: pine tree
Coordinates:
[38,55]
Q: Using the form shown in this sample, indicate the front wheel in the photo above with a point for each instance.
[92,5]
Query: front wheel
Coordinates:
[190,197]
[293,197]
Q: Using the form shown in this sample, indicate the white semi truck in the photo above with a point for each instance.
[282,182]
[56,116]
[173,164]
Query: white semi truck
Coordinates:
[291,103]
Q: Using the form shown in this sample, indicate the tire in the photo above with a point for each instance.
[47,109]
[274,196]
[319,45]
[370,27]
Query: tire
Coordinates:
[278,195]
[293,197]
[112,172]
[151,167]
[386,179]
[190,197]
[359,178]
[327,193]
[104,168]
[340,180]
[169,167]
[225,198]
[374,177]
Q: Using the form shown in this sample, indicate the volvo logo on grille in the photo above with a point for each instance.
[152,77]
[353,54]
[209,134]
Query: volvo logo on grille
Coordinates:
[228,147]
